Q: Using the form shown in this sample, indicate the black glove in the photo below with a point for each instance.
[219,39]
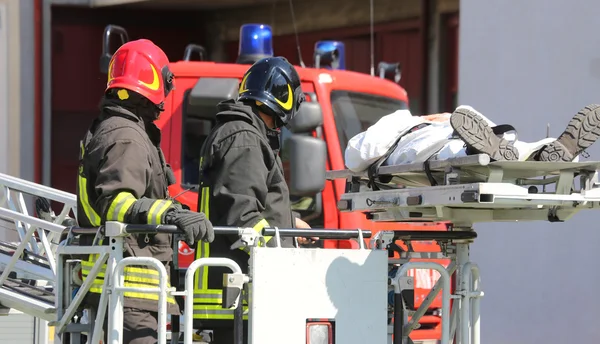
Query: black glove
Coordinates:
[195,225]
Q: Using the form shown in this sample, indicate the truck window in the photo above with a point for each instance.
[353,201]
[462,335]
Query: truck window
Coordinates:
[356,112]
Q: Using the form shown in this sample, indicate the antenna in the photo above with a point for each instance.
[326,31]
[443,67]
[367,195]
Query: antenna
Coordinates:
[296,33]
[547,136]
[372,39]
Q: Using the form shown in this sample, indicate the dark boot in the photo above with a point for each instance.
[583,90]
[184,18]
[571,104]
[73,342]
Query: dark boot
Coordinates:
[581,132]
[479,136]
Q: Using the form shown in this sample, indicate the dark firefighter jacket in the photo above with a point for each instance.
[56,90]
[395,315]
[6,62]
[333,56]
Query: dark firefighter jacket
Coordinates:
[242,185]
[123,177]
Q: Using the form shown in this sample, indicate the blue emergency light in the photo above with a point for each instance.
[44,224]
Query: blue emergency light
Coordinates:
[330,55]
[256,42]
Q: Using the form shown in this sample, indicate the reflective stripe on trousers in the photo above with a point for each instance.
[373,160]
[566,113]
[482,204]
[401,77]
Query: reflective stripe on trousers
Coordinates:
[135,277]
[207,302]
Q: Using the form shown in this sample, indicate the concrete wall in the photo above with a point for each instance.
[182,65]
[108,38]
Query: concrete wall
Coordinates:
[16,88]
[4,82]
[530,64]
[16,91]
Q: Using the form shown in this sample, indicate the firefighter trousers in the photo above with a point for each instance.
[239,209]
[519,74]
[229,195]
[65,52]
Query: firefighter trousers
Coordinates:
[224,335]
[139,326]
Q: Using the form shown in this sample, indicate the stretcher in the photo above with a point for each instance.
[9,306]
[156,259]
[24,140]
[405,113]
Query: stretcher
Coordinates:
[463,191]
[472,189]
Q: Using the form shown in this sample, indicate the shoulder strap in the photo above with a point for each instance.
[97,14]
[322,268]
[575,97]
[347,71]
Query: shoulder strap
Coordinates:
[372,171]
[498,130]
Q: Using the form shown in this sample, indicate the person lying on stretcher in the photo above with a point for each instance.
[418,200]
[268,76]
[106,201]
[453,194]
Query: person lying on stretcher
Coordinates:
[400,138]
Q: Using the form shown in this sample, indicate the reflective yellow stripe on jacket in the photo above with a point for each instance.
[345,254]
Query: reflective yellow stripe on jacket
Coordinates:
[136,277]
[119,207]
[90,213]
[207,302]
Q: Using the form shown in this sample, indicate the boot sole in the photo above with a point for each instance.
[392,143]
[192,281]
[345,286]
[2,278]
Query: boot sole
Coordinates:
[581,132]
[476,132]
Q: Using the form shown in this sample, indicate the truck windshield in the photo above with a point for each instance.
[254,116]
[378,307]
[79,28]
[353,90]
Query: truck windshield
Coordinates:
[356,112]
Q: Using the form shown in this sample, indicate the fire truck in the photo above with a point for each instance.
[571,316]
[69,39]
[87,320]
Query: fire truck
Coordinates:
[340,104]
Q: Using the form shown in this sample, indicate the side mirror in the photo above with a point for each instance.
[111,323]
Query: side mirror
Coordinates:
[106,55]
[307,119]
[308,156]
[207,93]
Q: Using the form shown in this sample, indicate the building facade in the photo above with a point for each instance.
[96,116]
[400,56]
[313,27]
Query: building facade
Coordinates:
[18,91]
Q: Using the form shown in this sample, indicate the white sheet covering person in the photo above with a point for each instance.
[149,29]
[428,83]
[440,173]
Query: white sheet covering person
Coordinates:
[432,138]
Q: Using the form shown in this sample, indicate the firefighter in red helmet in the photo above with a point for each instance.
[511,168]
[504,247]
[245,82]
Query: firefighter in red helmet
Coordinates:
[123,177]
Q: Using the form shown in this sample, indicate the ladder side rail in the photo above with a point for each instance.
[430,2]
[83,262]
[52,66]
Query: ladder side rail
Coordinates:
[32,306]
[38,190]
[34,221]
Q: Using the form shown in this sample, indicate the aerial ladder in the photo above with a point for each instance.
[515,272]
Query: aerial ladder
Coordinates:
[301,295]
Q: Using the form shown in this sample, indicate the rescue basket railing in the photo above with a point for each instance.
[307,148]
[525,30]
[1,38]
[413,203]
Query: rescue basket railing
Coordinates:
[69,299]
[112,255]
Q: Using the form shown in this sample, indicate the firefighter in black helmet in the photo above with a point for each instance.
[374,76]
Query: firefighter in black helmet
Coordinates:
[241,178]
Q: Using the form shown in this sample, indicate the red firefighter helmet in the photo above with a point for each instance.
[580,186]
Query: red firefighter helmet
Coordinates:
[141,66]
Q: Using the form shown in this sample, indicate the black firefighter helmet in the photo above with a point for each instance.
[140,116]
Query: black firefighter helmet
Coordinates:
[274,85]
